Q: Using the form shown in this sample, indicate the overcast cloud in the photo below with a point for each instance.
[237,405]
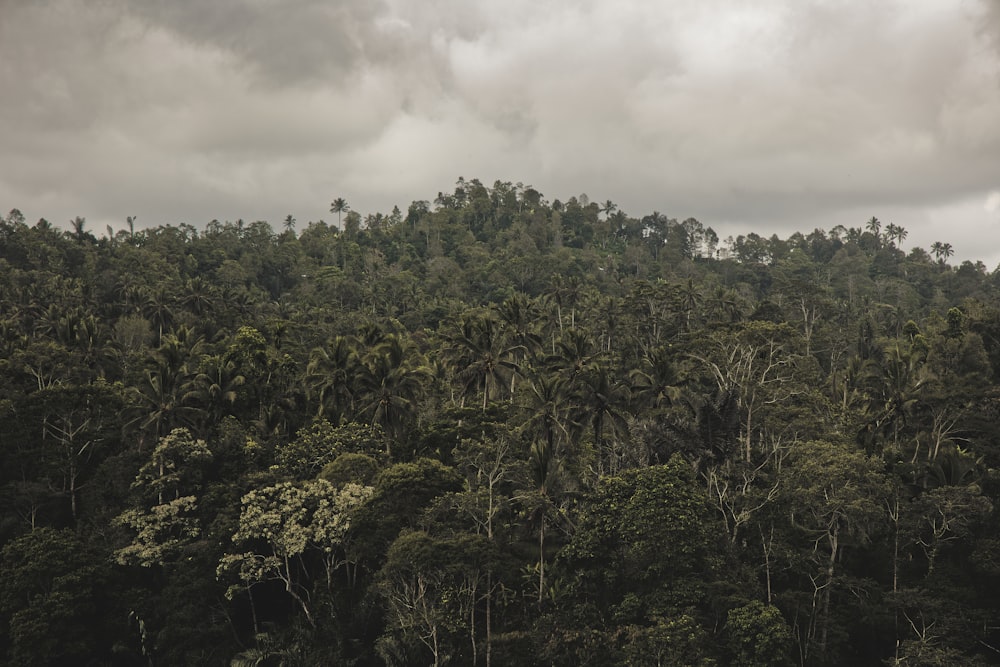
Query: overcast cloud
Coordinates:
[773,116]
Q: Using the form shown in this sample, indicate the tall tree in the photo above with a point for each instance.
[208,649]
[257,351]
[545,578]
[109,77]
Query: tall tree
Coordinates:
[339,206]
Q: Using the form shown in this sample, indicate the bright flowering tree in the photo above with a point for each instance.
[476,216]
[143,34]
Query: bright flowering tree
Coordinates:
[289,528]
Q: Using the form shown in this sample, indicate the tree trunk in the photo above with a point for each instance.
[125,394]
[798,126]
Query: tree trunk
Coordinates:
[489,618]
[834,544]
[541,559]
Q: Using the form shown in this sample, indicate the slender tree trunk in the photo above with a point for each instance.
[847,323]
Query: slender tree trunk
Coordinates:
[489,618]
[894,516]
[72,491]
[541,559]
[253,611]
[472,629]
[767,559]
[834,542]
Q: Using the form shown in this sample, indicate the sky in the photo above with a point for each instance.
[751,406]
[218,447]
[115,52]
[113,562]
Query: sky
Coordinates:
[772,116]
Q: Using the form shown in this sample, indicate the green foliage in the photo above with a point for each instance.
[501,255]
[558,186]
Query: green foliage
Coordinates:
[639,558]
[758,636]
[175,466]
[48,599]
[282,525]
[161,531]
[350,467]
[649,427]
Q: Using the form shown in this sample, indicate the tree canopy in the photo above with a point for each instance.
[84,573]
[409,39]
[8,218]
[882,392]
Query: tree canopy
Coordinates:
[495,429]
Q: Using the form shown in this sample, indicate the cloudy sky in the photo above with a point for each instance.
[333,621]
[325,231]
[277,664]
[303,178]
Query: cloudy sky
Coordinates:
[771,116]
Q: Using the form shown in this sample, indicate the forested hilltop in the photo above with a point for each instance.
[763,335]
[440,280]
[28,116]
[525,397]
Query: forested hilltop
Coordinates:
[495,430]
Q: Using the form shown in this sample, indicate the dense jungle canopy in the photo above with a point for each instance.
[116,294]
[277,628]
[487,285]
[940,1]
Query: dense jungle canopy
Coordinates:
[495,429]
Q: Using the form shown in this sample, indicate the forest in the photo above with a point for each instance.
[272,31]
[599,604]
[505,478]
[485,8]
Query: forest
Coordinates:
[495,429]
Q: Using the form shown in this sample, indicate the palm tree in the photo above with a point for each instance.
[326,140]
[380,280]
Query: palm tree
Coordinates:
[895,233]
[160,399]
[289,223]
[329,377]
[875,227]
[689,299]
[78,224]
[164,398]
[896,384]
[574,354]
[726,305]
[481,356]
[941,251]
[601,403]
[156,308]
[214,389]
[655,384]
[519,317]
[197,296]
[545,425]
[391,379]
[547,411]
[338,206]
[541,466]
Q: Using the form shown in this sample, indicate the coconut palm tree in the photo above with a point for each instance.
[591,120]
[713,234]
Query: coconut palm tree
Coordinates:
[895,234]
[655,384]
[78,225]
[875,227]
[157,307]
[339,206]
[601,404]
[481,357]
[390,381]
[330,378]
[519,316]
[214,389]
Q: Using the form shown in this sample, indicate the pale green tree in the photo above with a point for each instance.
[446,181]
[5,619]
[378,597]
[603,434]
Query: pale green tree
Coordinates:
[280,525]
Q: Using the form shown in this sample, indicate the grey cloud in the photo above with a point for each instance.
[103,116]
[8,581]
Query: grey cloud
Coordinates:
[777,114]
[318,42]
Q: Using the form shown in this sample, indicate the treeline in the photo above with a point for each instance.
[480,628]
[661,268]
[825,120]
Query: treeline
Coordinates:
[495,430]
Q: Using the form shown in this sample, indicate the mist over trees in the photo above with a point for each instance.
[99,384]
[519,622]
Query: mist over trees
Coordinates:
[495,429]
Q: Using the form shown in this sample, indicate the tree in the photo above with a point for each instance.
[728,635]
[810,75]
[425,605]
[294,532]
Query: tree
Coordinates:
[330,377]
[895,233]
[761,367]
[654,525]
[338,206]
[656,383]
[391,379]
[50,601]
[602,402]
[874,225]
[172,477]
[759,636]
[835,497]
[482,358]
[78,225]
[78,425]
[282,525]
[941,251]
[214,389]
[431,586]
